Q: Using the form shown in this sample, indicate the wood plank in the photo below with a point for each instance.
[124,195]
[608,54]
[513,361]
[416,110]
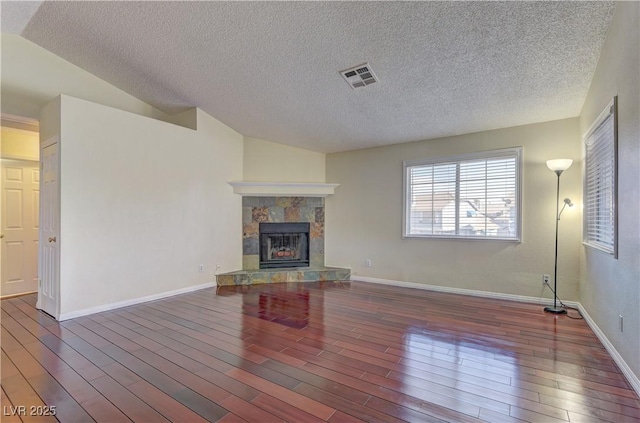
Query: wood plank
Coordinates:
[8,409]
[247,410]
[283,410]
[8,342]
[75,385]
[102,410]
[402,413]
[46,358]
[25,363]
[322,383]
[73,358]
[122,398]
[311,406]
[367,353]
[22,395]
[430,391]
[344,404]
[231,418]
[164,404]
[53,394]
[7,369]
[209,410]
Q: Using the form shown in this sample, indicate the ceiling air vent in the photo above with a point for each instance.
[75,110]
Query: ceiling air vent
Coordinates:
[359,76]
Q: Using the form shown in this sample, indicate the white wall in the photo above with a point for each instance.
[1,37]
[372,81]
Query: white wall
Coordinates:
[266,161]
[33,76]
[364,217]
[611,287]
[143,204]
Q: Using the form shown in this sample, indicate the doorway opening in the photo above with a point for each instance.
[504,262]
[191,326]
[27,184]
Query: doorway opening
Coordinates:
[20,222]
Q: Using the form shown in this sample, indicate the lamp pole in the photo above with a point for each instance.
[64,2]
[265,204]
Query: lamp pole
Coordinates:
[555,309]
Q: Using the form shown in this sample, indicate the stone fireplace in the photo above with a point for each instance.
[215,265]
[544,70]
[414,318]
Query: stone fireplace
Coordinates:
[299,210]
[282,241]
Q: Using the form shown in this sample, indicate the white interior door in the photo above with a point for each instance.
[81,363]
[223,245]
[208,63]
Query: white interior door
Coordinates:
[49,290]
[20,216]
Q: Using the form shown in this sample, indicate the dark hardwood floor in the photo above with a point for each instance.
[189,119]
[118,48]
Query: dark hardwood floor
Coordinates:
[310,352]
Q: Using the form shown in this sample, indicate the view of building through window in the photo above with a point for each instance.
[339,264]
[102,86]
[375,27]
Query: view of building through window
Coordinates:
[465,198]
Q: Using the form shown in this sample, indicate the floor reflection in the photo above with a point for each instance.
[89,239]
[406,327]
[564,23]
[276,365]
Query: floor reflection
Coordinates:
[289,304]
[452,372]
[474,351]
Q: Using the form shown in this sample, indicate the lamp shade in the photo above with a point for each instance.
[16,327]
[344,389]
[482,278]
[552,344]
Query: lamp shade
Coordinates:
[559,164]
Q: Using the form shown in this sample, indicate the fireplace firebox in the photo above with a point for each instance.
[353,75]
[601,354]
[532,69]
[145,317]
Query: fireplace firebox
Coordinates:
[284,245]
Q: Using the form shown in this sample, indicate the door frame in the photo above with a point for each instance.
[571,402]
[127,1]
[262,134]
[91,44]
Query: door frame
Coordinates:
[56,283]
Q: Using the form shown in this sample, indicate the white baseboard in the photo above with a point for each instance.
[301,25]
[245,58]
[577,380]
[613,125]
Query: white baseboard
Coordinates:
[632,378]
[486,294]
[125,303]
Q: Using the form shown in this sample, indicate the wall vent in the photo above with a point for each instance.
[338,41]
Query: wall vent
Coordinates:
[359,76]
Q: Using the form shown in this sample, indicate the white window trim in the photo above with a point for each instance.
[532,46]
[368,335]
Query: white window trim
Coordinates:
[490,154]
[610,109]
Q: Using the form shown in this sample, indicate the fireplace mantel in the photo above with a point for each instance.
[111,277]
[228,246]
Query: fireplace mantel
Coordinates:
[282,189]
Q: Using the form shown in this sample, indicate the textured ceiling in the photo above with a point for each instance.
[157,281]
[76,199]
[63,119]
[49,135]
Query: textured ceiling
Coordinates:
[16,15]
[271,69]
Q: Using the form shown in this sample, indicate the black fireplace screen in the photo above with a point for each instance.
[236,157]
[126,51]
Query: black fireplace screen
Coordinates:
[284,245]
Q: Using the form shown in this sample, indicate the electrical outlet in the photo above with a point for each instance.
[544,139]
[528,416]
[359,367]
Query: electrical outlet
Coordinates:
[545,279]
[201,268]
[367,262]
[621,321]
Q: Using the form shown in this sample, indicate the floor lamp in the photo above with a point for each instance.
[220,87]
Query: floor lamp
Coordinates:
[558,166]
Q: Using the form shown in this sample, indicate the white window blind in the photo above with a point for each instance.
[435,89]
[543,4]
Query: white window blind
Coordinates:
[471,196]
[600,219]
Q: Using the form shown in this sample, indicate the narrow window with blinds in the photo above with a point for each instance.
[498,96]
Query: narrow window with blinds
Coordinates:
[475,196]
[600,182]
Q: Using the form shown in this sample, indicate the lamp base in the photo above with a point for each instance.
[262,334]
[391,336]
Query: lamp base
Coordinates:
[555,310]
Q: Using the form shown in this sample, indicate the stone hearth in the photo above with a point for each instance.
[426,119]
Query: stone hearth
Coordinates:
[293,274]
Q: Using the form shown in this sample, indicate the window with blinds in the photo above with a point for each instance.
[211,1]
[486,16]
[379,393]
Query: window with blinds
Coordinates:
[472,196]
[600,181]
